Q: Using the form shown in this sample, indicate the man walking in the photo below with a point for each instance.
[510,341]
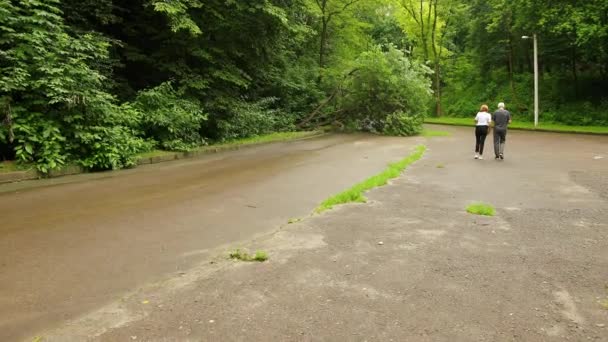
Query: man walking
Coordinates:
[501,120]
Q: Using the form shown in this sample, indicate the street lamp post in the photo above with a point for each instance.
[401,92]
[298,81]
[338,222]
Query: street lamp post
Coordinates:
[535,77]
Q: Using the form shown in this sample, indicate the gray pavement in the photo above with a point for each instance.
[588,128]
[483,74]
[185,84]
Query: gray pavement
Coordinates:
[410,265]
[70,245]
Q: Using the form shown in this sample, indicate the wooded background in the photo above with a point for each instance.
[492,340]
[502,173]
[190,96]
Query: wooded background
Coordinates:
[97,81]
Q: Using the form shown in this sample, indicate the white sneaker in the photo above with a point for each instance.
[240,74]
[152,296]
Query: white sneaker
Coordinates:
[480,157]
[477,156]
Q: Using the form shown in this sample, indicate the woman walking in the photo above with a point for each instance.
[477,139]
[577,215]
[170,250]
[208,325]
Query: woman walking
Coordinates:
[482,128]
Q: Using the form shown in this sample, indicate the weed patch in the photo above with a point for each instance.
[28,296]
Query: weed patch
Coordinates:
[481,209]
[259,256]
[355,194]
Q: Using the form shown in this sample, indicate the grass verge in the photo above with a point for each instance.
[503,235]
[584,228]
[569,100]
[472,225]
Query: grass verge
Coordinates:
[262,139]
[267,138]
[355,194]
[429,133]
[11,166]
[481,209]
[155,153]
[528,126]
[259,256]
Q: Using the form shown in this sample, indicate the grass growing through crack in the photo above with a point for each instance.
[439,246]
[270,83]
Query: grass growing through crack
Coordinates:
[355,194]
[481,209]
[259,256]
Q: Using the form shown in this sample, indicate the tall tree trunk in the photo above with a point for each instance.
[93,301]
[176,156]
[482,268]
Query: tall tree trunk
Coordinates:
[423,33]
[514,97]
[437,89]
[322,48]
[510,62]
[574,73]
[436,56]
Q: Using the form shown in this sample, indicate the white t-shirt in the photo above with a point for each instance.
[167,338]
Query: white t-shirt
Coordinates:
[483,119]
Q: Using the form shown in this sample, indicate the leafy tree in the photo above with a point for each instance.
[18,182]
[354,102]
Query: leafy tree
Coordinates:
[386,82]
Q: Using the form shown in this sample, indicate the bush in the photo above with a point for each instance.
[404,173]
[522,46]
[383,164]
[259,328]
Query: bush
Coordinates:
[402,124]
[385,82]
[247,119]
[168,118]
[38,140]
[109,147]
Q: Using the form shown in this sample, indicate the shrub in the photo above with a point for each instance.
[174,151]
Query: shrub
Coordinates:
[383,83]
[109,147]
[169,118]
[38,140]
[247,119]
[402,124]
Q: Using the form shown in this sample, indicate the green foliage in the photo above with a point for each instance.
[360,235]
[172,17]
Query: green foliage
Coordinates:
[402,124]
[38,140]
[96,81]
[387,82]
[494,64]
[173,121]
[246,119]
[109,147]
[62,108]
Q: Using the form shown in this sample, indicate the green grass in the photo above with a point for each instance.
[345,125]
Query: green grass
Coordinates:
[543,126]
[273,137]
[259,256]
[11,166]
[294,220]
[481,209]
[268,138]
[155,153]
[440,166]
[429,133]
[355,194]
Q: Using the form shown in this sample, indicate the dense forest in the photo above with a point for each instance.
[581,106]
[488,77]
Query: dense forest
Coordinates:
[96,82]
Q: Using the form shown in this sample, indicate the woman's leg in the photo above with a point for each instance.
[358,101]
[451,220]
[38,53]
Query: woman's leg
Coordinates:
[477,139]
[484,134]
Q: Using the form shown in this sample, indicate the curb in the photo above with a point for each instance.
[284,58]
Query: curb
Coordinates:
[32,174]
[219,149]
[20,176]
[547,130]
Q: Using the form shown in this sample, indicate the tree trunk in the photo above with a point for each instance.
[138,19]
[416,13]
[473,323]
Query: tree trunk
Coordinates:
[436,57]
[437,89]
[574,73]
[323,43]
